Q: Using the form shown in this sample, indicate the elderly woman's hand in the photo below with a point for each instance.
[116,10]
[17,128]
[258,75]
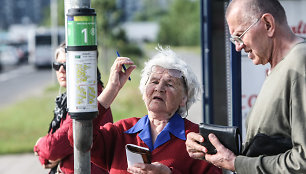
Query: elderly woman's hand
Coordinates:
[117,79]
[153,168]
[224,158]
[194,149]
[118,76]
[51,164]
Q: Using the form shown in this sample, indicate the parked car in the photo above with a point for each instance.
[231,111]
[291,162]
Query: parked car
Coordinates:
[8,55]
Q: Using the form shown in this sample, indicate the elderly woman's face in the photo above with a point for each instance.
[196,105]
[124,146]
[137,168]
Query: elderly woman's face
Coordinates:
[165,91]
[61,73]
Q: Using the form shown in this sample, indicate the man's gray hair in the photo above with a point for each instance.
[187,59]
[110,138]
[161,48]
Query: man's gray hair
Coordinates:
[168,59]
[255,8]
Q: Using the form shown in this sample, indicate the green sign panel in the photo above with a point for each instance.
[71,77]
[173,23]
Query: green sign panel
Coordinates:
[81,30]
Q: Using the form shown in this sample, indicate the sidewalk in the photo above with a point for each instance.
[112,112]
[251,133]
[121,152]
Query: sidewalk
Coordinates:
[21,163]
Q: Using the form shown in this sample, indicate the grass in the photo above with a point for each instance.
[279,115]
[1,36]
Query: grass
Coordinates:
[129,101]
[25,121]
[22,123]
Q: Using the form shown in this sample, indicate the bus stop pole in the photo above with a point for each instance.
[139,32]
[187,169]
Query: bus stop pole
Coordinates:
[82,128]
[82,134]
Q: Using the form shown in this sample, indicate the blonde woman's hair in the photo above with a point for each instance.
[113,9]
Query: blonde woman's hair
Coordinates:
[60,48]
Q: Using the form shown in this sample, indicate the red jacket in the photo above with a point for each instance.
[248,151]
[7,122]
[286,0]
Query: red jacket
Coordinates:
[56,146]
[108,150]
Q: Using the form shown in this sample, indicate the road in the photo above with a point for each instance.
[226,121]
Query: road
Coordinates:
[21,82]
[21,163]
[26,81]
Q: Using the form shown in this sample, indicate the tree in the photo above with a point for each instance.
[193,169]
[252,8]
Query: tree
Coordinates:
[60,15]
[151,10]
[181,26]
[108,17]
[110,35]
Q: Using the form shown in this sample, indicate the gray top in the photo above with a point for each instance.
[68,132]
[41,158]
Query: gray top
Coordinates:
[280,108]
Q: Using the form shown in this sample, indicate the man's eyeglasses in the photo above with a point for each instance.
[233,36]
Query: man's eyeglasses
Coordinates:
[238,39]
[57,65]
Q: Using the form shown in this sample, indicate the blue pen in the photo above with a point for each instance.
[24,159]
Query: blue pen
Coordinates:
[123,64]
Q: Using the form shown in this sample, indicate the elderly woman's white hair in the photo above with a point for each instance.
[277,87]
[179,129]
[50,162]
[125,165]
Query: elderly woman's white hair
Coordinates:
[167,58]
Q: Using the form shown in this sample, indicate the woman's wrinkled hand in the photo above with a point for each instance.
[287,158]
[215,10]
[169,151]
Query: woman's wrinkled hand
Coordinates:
[154,168]
[51,164]
[117,79]
[194,149]
[118,76]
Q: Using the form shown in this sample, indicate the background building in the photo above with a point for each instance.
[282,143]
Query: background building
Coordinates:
[131,8]
[22,12]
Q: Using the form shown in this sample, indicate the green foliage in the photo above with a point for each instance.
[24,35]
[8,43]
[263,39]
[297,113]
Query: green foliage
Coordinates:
[151,11]
[126,48]
[108,17]
[110,35]
[108,26]
[23,123]
[181,26]
[60,15]
[129,101]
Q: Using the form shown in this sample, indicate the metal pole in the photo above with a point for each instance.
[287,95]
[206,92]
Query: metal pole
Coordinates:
[54,34]
[54,30]
[206,61]
[82,126]
[233,65]
[80,4]
[82,135]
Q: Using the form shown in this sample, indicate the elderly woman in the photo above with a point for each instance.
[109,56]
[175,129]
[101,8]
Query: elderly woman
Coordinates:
[169,88]
[54,148]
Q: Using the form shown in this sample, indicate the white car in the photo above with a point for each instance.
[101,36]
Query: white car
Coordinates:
[8,55]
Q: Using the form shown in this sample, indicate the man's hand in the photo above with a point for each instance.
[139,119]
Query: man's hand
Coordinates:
[153,168]
[224,158]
